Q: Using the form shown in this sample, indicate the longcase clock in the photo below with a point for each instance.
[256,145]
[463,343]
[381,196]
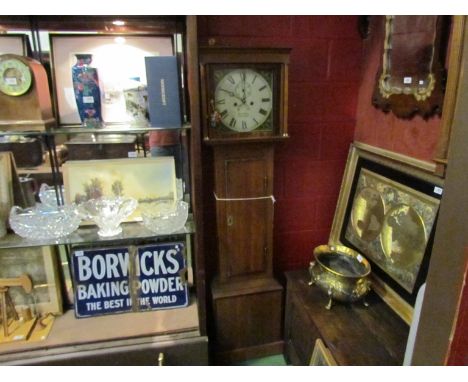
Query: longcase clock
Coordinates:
[244,100]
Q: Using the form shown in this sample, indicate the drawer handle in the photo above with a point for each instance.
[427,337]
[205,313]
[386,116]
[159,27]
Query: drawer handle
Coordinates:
[161,359]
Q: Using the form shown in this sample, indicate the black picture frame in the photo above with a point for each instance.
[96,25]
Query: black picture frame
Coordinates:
[396,178]
[378,192]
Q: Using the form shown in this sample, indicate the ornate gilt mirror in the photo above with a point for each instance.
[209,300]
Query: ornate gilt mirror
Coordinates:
[412,75]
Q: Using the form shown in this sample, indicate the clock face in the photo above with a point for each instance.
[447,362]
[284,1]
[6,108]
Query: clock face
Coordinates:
[15,77]
[243,99]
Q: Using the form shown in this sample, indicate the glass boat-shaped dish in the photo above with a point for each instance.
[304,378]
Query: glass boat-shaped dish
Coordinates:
[48,196]
[108,213]
[44,222]
[165,216]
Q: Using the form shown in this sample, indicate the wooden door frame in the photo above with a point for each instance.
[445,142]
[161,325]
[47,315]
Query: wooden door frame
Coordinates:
[445,275]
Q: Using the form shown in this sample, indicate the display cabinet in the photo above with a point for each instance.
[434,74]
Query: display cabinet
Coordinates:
[155,337]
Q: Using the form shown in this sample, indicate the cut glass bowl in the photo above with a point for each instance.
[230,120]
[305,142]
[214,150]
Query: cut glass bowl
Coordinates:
[166,216]
[108,213]
[44,222]
[48,196]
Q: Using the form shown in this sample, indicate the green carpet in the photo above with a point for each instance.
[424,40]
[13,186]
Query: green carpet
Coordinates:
[274,360]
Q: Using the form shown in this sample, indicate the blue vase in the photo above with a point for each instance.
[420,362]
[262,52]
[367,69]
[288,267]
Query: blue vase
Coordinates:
[87,92]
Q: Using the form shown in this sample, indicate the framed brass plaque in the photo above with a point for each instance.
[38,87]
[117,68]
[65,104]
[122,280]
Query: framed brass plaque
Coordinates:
[387,211]
[390,223]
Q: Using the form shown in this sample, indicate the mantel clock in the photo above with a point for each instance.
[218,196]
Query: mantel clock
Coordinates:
[24,94]
[244,94]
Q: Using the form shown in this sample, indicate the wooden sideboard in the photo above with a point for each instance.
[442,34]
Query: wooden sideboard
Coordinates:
[354,334]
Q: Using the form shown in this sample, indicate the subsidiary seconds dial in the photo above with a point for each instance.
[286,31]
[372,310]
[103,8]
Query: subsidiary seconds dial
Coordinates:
[243,100]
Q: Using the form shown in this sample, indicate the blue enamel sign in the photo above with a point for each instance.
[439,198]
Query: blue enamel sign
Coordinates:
[160,284]
[103,281]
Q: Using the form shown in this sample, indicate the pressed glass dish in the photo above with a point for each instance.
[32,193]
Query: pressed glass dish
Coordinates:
[44,222]
[108,213]
[165,217]
[48,196]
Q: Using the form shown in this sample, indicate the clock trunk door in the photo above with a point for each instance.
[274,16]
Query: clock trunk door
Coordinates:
[244,226]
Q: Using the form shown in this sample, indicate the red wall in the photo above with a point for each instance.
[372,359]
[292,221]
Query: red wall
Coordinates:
[414,137]
[323,88]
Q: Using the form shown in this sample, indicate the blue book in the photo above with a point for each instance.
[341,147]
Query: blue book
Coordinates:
[164,102]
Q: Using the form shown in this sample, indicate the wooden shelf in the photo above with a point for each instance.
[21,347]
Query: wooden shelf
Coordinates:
[70,334]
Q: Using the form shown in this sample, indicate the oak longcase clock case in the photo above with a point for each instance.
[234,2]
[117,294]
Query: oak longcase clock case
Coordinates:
[244,112]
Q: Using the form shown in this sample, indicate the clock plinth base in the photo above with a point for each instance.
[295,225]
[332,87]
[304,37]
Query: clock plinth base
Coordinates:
[247,318]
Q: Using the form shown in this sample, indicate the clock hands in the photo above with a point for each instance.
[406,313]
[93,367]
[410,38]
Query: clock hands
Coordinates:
[243,89]
[232,94]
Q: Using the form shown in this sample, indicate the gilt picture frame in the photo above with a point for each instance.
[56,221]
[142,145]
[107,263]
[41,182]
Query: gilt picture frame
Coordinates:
[321,355]
[40,264]
[387,211]
[411,77]
[6,189]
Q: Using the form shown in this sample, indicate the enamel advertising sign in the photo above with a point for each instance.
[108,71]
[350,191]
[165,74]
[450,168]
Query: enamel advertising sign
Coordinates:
[107,281]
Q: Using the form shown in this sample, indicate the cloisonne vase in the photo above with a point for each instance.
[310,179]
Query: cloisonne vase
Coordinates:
[87,92]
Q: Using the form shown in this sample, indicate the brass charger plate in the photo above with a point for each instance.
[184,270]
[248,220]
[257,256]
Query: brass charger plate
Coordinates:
[403,236]
[368,213]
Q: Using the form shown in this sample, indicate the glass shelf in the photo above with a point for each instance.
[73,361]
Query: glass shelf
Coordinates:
[133,233]
[108,129]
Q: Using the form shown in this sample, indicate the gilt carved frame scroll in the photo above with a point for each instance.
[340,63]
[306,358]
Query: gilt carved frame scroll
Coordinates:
[411,78]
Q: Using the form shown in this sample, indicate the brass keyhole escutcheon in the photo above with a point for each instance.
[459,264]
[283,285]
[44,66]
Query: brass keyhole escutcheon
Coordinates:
[161,359]
[230,220]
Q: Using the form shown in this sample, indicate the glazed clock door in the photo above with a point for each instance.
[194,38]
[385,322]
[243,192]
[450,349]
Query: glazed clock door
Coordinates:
[244,226]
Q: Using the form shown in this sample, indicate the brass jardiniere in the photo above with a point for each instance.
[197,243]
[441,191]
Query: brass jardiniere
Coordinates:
[341,272]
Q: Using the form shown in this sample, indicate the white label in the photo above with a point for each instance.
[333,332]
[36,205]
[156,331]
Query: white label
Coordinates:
[359,257]
[407,80]
[79,253]
[11,81]
[88,99]
[438,190]
[132,154]
[421,82]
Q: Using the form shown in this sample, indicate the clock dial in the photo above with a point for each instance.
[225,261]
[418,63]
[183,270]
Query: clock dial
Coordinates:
[15,77]
[243,98]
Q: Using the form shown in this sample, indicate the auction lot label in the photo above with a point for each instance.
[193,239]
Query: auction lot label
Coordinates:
[104,283]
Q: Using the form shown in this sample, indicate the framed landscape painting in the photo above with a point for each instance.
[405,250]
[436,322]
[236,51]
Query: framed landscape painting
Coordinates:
[145,179]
